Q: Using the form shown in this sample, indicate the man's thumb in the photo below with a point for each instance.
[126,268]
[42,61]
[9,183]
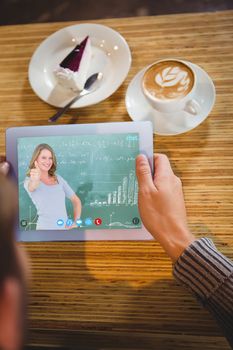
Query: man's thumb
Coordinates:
[4,168]
[143,172]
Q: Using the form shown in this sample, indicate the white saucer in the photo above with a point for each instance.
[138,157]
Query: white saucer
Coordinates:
[174,123]
[111,56]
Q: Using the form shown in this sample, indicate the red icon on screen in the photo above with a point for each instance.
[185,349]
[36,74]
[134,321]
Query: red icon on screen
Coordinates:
[98,221]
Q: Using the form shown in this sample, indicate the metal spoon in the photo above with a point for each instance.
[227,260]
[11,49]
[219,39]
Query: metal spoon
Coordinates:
[90,86]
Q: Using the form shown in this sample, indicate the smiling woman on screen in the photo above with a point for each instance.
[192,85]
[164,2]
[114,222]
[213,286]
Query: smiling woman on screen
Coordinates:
[49,190]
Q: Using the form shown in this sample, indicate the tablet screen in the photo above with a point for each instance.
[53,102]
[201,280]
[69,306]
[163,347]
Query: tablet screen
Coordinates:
[78,181]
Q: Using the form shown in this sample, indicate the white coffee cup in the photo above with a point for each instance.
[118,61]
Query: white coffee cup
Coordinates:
[169,85]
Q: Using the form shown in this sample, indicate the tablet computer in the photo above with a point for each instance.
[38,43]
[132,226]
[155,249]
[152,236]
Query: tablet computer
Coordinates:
[78,182]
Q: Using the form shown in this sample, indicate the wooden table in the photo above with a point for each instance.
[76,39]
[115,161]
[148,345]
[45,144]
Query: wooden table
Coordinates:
[121,295]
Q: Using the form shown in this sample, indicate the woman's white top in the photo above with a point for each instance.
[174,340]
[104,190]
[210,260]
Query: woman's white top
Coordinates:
[49,201]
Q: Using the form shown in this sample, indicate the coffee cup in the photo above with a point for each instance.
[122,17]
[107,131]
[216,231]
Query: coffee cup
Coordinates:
[169,85]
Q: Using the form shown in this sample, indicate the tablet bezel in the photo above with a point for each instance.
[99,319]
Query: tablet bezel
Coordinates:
[145,131]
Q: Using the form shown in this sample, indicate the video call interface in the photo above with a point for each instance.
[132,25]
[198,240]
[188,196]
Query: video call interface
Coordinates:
[98,169]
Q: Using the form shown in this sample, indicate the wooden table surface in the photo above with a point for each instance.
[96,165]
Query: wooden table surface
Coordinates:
[121,295]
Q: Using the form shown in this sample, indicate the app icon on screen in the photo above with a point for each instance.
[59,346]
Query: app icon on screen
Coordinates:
[69,222]
[23,223]
[88,221]
[136,221]
[98,221]
[79,222]
[60,222]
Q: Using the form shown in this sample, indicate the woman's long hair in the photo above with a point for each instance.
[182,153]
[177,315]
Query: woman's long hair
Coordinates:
[36,154]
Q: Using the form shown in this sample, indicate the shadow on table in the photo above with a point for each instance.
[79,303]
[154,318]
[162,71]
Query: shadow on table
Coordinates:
[37,112]
[108,295]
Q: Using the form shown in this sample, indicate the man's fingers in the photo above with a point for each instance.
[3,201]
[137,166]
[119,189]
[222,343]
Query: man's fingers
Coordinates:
[143,173]
[4,168]
[162,165]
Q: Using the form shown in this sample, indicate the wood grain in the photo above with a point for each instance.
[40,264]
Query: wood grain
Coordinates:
[122,295]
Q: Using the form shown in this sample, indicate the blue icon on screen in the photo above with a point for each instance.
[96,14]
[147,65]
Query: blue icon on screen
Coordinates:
[69,222]
[79,222]
[88,221]
[60,222]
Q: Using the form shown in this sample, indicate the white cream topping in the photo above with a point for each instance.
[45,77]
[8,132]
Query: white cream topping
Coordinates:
[75,80]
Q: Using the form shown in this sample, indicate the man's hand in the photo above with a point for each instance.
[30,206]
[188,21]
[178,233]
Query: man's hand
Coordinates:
[161,205]
[4,167]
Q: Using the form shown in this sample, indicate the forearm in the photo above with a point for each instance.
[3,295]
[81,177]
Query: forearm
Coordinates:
[33,185]
[209,276]
[77,206]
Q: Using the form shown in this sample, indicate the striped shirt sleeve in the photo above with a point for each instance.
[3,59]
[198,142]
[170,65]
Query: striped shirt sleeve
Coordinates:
[208,274]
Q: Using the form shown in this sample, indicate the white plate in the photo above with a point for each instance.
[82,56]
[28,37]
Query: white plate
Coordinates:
[111,56]
[174,123]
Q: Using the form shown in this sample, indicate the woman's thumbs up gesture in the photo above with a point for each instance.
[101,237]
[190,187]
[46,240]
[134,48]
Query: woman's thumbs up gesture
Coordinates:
[35,173]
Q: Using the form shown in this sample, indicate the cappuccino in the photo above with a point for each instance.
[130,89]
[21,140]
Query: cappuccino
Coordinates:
[168,80]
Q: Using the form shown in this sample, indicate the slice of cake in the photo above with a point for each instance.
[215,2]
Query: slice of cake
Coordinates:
[72,71]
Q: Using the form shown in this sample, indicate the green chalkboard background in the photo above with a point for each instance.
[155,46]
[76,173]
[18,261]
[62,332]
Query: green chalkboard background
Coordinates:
[101,171]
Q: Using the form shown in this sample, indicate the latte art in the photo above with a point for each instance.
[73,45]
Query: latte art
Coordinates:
[168,80]
[172,76]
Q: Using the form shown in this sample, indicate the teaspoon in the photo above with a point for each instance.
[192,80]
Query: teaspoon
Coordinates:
[90,86]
